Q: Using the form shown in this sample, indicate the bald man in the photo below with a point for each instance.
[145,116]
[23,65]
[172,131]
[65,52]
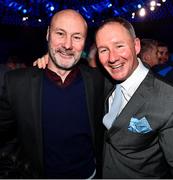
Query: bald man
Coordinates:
[48,117]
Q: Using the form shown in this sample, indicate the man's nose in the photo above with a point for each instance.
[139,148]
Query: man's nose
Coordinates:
[68,43]
[113,56]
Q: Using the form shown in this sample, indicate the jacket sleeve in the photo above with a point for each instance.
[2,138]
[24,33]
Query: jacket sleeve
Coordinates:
[7,121]
[8,140]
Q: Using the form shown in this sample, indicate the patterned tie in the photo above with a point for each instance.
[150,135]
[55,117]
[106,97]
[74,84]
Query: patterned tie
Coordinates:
[109,118]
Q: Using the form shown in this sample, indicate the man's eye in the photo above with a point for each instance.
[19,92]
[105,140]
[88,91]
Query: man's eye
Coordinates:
[59,33]
[102,50]
[77,38]
[119,46]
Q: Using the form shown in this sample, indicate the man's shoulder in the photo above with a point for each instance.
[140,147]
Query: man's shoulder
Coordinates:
[161,84]
[21,78]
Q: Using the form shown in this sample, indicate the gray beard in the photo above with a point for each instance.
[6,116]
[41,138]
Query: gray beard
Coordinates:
[52,57]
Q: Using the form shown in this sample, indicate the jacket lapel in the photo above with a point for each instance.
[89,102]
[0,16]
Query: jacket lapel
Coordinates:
[89,91]
[134,105]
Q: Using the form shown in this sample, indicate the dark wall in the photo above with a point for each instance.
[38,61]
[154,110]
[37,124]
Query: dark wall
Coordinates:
[25,42]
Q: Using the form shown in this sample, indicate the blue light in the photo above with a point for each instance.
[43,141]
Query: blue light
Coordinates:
[13,4]
[87,16]
[52,8]
[124,9]
[84,9]
[20,7]
[98,7]
[47,5]
[24,11]
[139,6]
[109,5]
[116,13]
[50,14]
[10,4]
[94,7]
[86,12]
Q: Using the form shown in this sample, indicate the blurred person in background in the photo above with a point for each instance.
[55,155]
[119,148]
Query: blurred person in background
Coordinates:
[92,56]
[151,53]
[148,52]
[163,52]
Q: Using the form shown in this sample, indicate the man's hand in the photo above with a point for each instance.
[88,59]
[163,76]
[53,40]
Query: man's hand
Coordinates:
[41,62]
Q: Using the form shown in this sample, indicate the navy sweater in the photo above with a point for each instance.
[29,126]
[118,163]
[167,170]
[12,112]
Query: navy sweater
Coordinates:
[68,148]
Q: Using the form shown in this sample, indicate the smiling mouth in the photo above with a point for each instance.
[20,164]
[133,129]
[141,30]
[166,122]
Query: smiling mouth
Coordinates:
[117,66]
[64,54]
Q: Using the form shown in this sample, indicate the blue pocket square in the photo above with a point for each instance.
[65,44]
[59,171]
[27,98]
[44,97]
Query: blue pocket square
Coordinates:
[139,125]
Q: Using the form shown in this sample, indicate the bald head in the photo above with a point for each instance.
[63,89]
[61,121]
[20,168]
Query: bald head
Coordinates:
[70,17]
[66,37]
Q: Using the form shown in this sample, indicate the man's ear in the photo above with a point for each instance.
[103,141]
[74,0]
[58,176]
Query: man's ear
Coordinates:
[146,57]
[47,36]
[137,45]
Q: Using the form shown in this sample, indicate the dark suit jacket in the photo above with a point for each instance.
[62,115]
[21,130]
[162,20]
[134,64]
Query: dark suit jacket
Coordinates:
[3,70]
[21,141]
[142,155]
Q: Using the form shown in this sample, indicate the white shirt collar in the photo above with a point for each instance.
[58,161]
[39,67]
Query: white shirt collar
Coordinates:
[132,83]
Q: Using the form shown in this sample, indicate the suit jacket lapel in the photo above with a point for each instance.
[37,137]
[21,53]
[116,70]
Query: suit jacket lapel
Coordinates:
[135,104]
[89,91]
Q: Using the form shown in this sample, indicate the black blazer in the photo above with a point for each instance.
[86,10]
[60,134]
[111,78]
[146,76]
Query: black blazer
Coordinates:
[21,141]
[135,154]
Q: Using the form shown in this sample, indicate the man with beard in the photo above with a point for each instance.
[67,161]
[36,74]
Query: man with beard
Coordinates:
[47,117]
